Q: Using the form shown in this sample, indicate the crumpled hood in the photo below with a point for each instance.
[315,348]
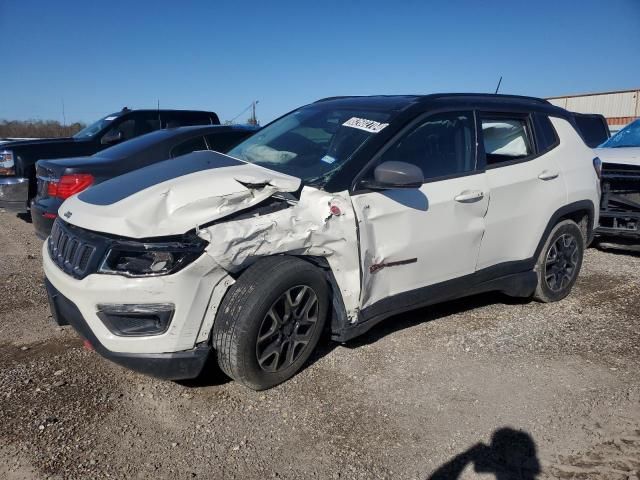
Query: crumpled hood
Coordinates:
[623,155]
[174,196]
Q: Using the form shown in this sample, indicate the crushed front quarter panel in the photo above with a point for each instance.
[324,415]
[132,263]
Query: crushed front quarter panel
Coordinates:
[321,224]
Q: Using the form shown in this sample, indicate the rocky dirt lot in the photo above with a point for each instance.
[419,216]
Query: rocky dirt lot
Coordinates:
[482,388]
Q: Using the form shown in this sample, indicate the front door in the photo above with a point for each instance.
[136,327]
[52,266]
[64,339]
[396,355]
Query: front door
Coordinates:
[414,238]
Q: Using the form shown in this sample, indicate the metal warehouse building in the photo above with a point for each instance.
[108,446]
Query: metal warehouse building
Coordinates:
[619,107]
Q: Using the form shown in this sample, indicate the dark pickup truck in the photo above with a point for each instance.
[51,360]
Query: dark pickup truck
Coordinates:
[18,184]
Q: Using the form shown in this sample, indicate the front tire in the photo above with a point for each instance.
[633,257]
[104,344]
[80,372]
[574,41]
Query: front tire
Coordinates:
[559,262]
[270,321]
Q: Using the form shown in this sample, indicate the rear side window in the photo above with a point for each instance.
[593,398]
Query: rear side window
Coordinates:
[442,145]
[183,119]
[506,139]
[593,129]
[222,142]
[191,145]
[546,136]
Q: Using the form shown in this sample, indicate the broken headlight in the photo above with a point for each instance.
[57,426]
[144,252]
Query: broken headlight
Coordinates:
[133,259]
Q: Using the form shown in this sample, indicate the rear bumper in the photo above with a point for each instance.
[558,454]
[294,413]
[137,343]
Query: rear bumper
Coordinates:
[169,366]
[14,193]
[41,223]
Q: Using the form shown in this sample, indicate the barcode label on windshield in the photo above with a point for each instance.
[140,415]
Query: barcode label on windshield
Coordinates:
[366,125]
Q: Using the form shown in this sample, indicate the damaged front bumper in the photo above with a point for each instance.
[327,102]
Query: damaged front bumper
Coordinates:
[177,352]
[620,203]
[169,366]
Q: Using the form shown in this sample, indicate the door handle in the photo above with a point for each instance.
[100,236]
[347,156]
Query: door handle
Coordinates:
[469,196]
[548,175]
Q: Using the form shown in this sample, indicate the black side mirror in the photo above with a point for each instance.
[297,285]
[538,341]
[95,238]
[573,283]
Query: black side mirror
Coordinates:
[111,137]
[390,175]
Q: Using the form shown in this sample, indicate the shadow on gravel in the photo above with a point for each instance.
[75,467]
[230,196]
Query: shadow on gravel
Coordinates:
[25,217]
[433,312]
[211,375]
[510,456]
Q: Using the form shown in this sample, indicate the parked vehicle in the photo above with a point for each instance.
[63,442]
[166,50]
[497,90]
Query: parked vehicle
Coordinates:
[18,159]
[339,214]
[58,179]
[593,128]
[620,205]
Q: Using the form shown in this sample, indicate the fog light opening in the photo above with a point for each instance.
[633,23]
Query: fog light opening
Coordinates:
[136,320]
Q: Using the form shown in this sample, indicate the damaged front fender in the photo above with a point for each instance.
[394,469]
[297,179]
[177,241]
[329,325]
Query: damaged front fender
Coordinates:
[320,224]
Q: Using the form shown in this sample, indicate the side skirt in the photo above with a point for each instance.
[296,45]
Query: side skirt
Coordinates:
[520,284]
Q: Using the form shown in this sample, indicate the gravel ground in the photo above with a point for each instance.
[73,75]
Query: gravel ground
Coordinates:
[487,386]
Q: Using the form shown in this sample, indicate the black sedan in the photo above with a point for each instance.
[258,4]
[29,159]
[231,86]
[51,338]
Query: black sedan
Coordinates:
[58,179]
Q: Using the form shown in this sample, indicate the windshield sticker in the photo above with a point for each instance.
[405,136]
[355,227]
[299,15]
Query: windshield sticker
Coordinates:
[366,125]
[328,159]
[108,119]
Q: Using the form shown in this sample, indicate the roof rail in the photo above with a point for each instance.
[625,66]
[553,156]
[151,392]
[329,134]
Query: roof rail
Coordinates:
[495,95]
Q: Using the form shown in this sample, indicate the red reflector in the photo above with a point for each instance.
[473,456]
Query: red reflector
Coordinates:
[49,215]
[69,185]
[87,345]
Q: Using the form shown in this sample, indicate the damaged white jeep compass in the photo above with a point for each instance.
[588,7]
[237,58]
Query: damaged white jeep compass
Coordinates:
[335,216]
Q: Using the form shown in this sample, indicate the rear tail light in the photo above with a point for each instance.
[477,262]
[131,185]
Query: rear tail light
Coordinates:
[7,164]
[597,165]
[69,185]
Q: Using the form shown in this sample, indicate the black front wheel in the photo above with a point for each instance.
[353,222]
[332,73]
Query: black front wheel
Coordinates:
[270,321]
[559,262]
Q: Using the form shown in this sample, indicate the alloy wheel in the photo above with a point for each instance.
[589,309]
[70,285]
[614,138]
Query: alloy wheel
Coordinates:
[562,262]
[287,328]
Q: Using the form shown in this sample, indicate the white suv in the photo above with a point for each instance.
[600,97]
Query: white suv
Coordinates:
[335,216]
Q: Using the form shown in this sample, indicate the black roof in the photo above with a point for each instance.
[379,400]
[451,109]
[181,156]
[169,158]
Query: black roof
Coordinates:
[401,102]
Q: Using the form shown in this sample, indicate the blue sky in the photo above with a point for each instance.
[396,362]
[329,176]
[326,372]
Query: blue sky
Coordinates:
[221,55]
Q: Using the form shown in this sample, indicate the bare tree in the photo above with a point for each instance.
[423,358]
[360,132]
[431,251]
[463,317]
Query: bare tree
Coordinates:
[37,129]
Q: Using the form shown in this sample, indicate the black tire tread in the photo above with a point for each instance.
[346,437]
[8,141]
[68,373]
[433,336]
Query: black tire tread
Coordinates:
[244,295]
[540,295]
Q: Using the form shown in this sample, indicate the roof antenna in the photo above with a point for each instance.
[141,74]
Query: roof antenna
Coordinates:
[499,82]
[159,122]
[64,116]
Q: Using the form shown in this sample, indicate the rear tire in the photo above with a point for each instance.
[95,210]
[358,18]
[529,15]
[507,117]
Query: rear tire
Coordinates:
[559,262]
[270,321]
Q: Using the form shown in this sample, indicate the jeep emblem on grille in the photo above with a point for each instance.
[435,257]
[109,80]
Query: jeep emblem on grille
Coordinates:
[67,214]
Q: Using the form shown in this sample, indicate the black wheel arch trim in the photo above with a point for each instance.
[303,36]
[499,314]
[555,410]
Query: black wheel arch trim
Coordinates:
[564,212]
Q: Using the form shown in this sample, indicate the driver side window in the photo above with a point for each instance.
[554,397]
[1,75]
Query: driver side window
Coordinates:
[441,145]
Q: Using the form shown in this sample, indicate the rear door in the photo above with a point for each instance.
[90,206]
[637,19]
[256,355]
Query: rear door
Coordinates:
[524,178]
[413,238]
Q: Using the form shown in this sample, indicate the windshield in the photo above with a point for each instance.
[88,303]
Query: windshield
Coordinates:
[94,128]
[629,136]
[312,143]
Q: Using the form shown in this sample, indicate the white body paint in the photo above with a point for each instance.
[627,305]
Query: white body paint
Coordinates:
[444,230]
